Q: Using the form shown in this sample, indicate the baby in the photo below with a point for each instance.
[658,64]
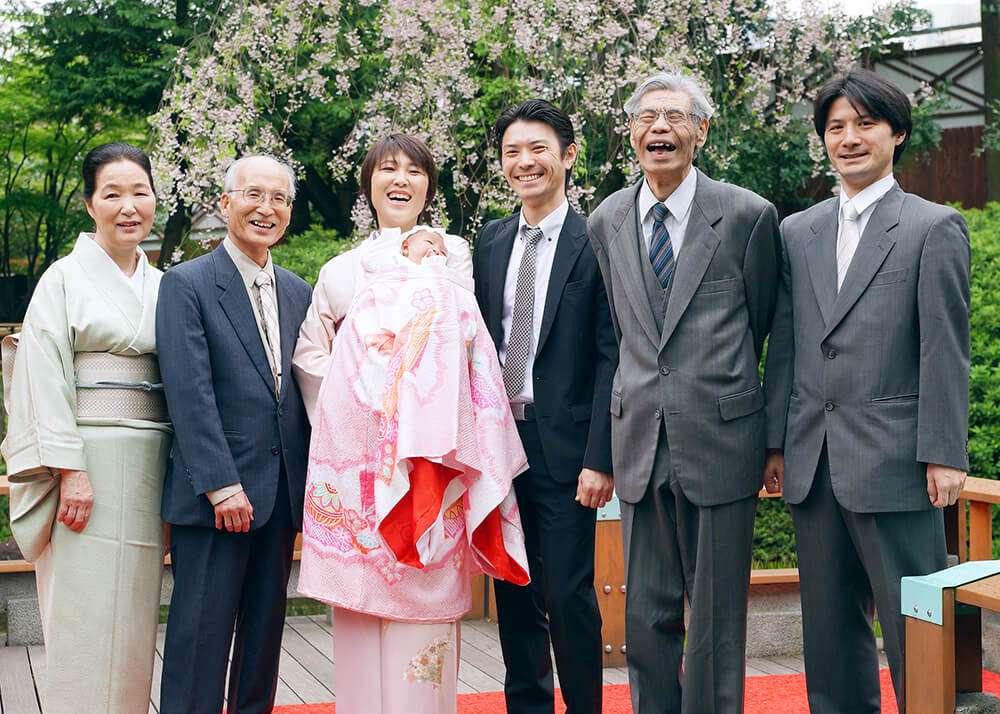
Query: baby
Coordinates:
[423,243]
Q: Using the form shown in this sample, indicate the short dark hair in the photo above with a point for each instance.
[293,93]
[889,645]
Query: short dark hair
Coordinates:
[100,156]
[536,110]
[868,93]
[416,151]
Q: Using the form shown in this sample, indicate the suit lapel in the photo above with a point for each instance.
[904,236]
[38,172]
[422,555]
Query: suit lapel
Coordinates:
[821,256]
[873,248]
[625,260]
[500,250]
[286,326]
[572,238]
[700,244]
[236,304]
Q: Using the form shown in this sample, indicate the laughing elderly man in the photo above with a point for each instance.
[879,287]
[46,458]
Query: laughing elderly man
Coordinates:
[691,270]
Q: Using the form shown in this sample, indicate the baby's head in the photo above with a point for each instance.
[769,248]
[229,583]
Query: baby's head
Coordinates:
[418,245]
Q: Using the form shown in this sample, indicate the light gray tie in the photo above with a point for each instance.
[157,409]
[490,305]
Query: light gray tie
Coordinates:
[847,241]
[522,322]
[269,321]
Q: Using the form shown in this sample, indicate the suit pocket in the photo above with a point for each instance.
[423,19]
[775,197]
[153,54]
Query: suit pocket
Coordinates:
[734,406]
[899,408]
[716,286]
[889,277]
[575,286]
[616,404]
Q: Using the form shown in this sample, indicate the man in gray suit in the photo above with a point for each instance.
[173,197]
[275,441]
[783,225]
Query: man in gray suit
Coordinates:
[690,266]
[867,391]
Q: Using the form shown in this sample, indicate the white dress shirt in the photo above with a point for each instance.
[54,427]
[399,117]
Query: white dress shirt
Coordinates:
[864,203]
[551,227]
[678,203]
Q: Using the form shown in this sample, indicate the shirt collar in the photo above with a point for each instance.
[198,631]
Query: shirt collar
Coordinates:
[246,266]
[551,225]
[869,195]
[678,203]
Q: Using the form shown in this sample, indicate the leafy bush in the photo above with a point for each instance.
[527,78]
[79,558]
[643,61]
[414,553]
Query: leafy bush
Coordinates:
[307,252]
[773,535]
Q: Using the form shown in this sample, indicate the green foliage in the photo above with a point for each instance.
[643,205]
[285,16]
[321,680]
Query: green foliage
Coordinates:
[307,252]
[773,535]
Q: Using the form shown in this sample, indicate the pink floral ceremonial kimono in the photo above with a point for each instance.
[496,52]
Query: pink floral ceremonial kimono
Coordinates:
[409,492]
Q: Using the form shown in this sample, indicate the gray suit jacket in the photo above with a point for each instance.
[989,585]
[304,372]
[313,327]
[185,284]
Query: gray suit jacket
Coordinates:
[880,370]
[698,378]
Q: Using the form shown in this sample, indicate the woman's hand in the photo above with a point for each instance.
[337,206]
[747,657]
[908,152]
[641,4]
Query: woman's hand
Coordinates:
[76,499]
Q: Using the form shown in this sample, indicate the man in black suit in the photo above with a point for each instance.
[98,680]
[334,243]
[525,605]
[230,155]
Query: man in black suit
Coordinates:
[226,325]
[543,298]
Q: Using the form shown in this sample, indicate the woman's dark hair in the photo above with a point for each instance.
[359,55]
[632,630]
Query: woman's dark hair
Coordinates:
[536,110]
[100,156]
[869,94]
[416,151]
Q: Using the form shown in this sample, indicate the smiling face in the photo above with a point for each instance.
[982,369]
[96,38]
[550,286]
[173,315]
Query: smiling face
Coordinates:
[398,191]
[860,146]
[255,227]
[423,243]
[534,163]
[666,150]
[123,205]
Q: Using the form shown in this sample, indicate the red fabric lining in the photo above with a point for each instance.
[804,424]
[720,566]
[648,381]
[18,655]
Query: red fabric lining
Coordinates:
[417,510]
[488,540]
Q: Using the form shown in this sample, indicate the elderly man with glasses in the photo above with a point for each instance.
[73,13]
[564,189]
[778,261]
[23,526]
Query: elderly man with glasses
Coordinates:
[226,325]
[691,269]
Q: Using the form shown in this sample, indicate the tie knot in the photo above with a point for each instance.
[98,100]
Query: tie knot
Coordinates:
[262,279]
[660,212]
[531,234]
[850,212]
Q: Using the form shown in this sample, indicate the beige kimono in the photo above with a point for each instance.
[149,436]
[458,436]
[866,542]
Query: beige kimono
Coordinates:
[99,590]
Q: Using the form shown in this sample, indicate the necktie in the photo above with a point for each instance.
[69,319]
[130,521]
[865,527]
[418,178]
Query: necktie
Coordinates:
[522,316]
[661,250]
[269,321]
[847,241]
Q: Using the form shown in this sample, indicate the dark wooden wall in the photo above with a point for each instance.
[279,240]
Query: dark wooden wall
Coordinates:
[952,172]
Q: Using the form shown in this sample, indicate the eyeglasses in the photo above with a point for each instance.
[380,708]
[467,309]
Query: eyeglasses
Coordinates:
[279,199]
[674,117]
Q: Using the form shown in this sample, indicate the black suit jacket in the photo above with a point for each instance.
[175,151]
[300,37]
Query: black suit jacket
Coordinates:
[577,352]
[228,425]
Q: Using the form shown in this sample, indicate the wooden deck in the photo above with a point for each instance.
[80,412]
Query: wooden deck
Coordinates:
[306,668]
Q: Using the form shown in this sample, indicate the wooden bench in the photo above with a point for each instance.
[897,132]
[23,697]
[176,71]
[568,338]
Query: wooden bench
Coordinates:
[944,652]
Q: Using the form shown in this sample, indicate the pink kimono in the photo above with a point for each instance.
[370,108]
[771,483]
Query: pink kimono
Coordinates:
[409,492]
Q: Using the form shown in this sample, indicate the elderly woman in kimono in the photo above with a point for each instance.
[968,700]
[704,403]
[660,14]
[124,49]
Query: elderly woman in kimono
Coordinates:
[87,445]
[413,450]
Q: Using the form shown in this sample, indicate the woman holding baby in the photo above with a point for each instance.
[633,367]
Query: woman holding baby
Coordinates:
[413,447]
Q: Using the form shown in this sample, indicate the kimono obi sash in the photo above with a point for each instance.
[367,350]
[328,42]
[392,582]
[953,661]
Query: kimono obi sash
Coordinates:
[119,387]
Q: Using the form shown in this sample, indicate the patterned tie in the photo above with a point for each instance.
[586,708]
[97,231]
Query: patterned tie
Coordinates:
[269,321]
[847,241]
[522,317]
[661,250]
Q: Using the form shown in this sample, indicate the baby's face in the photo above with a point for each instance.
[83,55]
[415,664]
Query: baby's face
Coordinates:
[423,243]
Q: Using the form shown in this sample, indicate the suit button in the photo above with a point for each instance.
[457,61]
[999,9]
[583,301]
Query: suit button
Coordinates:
[281,412]
[658,414]
[664,370]
[828,406]
[275,450]
[832,354]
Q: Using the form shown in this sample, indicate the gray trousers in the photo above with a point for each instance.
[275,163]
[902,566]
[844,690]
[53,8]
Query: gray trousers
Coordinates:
[850,563]
[674,548]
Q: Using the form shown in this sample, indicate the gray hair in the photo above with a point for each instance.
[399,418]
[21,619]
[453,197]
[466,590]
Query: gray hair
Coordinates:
[701,107]
[229,182]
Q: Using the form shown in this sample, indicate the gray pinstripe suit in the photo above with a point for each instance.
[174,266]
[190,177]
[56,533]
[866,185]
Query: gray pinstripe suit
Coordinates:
[688,437]
[864,388]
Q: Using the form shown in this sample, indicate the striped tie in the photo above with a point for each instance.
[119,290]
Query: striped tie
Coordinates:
[522,323]
[661,250]
[269,321]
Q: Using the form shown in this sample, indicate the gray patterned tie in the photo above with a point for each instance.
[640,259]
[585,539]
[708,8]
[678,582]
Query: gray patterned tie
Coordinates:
[522,316]
[269,321]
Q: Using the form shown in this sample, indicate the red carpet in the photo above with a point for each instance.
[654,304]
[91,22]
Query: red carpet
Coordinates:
[784,693]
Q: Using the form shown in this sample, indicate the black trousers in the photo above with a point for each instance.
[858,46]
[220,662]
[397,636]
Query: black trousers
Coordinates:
[849,565]
[559,607]
[224,582]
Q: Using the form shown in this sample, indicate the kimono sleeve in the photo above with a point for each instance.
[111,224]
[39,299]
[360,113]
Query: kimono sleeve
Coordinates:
[41,431]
